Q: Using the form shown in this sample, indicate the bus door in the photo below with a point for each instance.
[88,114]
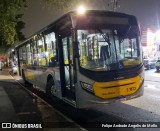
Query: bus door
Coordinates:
[66,64]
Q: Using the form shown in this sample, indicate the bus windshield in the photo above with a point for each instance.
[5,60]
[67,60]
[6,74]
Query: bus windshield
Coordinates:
[109,49]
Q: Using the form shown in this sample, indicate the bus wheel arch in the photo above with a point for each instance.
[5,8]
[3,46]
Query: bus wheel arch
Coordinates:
[50,86]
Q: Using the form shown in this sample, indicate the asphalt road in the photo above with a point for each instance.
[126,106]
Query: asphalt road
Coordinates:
[142,109]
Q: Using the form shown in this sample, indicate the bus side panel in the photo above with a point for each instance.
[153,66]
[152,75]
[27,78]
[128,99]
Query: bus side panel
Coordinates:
[41,77]
[29,75]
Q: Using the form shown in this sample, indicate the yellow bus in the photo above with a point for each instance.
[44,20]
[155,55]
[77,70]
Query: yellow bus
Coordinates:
[85,59]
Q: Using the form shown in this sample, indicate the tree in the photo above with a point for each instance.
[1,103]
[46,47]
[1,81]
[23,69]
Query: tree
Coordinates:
[9,21]
[18,37]
[19,26]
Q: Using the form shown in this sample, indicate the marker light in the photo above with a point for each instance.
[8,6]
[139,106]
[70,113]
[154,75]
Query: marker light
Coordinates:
[81,10]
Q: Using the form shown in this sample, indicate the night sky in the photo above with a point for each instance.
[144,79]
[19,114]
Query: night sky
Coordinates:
[147,11]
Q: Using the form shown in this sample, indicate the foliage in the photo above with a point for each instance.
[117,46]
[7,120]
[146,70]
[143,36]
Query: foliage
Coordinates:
[9,21]
[19,26]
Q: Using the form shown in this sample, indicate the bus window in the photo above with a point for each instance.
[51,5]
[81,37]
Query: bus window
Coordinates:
[24,55]
[65,50]
[41,52]
[29,57]
[51,53]
[103,50]
[34,52]
[95,51]
[20,53]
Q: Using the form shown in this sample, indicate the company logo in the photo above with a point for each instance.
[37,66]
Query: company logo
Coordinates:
[118,78]
[6,125]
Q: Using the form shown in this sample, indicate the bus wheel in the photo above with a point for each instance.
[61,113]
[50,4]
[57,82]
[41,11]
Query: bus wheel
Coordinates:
[51,89]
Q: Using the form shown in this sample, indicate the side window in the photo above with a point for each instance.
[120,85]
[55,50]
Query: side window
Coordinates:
[34,53]
[129,47]
[51,53]
[29,54]
[20,54]
[65,51]
[24,54]
[41,52]
[71,50]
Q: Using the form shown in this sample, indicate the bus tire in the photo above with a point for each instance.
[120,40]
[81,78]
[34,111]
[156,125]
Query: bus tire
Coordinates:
[51,89]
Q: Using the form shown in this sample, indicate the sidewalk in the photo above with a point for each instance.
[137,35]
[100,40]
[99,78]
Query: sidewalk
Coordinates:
[6,108]
[17,105]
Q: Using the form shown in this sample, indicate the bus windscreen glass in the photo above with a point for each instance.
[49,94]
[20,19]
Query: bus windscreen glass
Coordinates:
[109,49]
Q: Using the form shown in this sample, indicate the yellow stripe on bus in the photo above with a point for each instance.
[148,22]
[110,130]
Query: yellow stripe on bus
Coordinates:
[116,88]
[30,75]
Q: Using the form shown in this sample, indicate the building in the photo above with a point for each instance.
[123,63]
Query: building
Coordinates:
[148,43]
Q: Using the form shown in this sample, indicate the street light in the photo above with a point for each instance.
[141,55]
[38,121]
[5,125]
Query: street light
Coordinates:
[81,10]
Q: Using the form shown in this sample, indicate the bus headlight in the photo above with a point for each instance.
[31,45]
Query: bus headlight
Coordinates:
[86,86]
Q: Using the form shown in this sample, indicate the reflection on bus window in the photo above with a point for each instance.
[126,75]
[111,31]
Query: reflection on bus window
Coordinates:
[105,50]
[34,52]
[41,52]
[29,54]
[23,55]
[51,49]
